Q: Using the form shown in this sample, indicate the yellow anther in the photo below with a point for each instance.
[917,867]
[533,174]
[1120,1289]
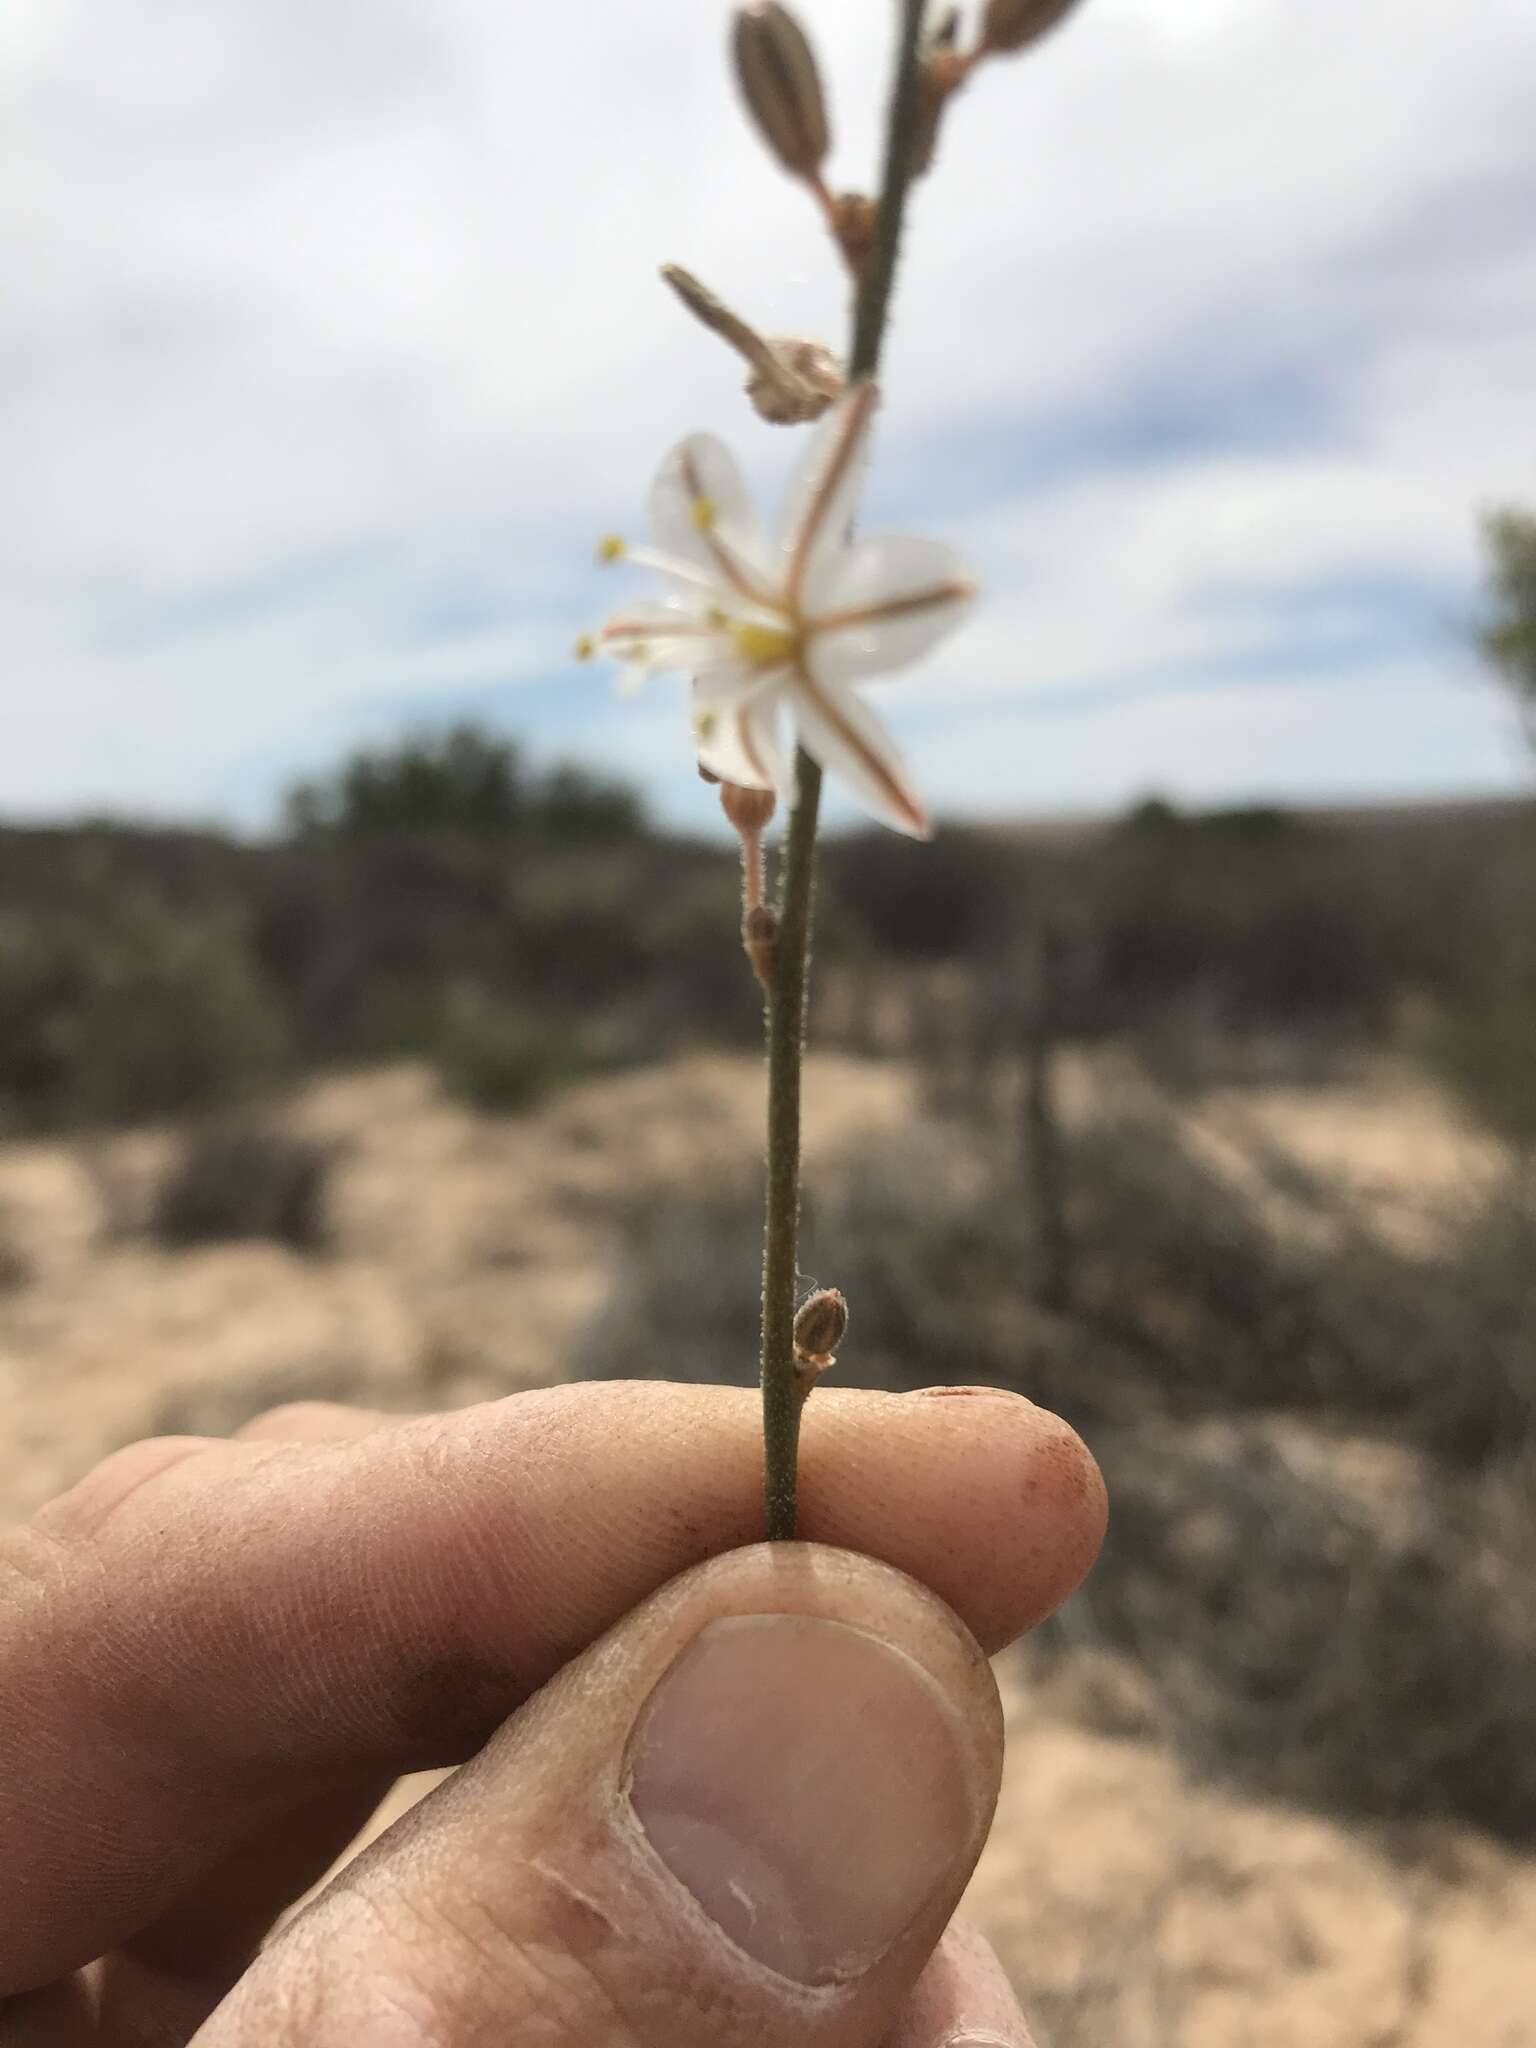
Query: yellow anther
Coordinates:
[585,647]
[705,725]
[764,646]
[611,548]
[703,512]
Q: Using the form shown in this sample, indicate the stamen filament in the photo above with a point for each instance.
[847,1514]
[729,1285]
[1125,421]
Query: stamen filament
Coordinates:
[670,565]
[654,629]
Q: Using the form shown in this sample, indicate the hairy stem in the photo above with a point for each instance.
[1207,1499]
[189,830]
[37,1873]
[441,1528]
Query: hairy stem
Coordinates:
[782,1400]
[782,1394]
[873,306]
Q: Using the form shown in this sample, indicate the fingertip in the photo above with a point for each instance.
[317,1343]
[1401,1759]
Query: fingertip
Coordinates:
[995,1503]
[963,1999]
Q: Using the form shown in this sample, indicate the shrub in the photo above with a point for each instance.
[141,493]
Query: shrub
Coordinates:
[117,1006]
[247,1178]
[504,1063]
[1372,1656]
[1238,1345]
[463,780]
[15,1267]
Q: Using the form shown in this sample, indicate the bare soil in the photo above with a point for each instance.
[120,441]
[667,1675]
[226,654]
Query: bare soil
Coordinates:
[1135,1910]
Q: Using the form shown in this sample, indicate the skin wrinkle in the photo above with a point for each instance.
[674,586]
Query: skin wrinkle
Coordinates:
[84,1511]
[526,1956]
[298,1666]
[546,1790]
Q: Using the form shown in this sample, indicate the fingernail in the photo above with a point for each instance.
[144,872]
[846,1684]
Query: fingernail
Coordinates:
[806,1783]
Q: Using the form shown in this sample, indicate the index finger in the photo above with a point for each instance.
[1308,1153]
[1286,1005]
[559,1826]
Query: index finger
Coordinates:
[250,1623]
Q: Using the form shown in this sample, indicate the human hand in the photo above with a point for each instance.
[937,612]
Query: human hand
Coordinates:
[735,1807]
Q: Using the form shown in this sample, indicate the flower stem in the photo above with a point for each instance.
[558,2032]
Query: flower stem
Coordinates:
[783,1395]
[873,306]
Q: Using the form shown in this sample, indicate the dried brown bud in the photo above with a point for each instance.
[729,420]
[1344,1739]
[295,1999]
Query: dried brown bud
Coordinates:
[749,810]
[792,380]
[776,69]
[855,222]
[760,939]
[943,72]
[821,1322]
[1011,25]
[796,383]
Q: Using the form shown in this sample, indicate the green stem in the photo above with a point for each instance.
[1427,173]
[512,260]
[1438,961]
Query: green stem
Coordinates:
[781,1224]
[782,1398]
[872,309]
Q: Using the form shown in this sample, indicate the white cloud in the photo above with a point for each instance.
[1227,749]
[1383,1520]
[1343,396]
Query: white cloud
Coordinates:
[332,335]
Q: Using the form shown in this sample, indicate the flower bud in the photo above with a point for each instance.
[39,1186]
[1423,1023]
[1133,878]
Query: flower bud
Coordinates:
[821,1322]
[942,73]
[855,223]
[760,941]
[1011,25]
[749,810]
[779,81]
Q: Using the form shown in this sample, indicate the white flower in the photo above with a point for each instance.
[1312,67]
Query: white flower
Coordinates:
[766,628]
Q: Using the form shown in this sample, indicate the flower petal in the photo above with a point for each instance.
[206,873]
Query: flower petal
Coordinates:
[882,604]
[852,743]
[701,513]
[826,486]
[738,738]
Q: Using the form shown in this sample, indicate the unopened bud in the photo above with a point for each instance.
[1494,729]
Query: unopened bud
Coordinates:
[821,1323]
[1011,25]
[944,70]
[760,940]
[855,222]
[749,810]
[776,68]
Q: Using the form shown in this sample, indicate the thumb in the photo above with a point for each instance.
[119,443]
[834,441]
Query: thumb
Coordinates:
[743,1816]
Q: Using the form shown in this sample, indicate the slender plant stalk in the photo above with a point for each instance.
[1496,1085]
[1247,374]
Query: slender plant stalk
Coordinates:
[782,1394]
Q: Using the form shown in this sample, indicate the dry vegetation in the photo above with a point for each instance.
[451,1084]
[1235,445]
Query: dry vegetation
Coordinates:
[1269,1776]
[453,1092]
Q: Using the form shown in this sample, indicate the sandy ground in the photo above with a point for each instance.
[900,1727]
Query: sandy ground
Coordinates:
[1134,1910]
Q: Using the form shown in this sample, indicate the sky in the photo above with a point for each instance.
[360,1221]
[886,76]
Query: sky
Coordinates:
[331,340]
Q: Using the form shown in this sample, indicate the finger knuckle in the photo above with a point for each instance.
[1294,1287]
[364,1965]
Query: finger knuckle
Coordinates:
[554,1971]
[290,1419]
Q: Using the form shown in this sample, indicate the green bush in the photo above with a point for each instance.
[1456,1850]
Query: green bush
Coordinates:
[15,1268]
[115,1005]
[504,1063]
[463,780]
